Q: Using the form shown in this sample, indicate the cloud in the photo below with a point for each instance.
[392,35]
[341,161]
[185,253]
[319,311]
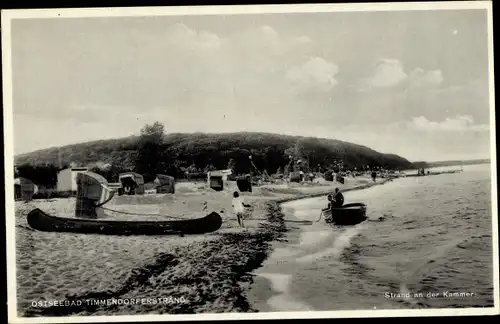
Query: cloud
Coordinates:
[243,59]
[301,40]
[438,102]
[182,35]
[175,66]
[386,73]
[252,62]
[316,73]
[419,77]
[269,32]
[459,123]
[390,73]
[264,43]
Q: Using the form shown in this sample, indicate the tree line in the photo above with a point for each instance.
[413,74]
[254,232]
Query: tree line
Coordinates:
[193,155]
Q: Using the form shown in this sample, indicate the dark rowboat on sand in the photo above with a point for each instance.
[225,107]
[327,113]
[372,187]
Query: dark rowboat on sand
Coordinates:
[41,221]
[348,214]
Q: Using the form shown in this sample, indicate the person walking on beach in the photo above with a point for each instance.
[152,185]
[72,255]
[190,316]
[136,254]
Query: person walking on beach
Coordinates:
[239,207]
[338,199]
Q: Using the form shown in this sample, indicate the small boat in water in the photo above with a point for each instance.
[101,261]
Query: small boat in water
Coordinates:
[42,221]
[348,214]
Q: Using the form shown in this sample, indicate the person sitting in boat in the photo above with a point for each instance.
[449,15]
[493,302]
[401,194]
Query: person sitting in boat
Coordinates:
[330,198]
[337,199]
[239,208]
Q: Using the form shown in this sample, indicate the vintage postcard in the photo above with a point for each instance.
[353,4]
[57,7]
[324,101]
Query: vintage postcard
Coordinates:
[250,162]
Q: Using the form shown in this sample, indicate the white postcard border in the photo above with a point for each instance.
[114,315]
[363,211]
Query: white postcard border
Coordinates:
[8,15]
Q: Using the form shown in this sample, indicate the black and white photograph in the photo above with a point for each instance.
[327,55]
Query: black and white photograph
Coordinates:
[250,162]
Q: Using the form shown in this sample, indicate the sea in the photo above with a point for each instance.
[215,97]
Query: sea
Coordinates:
[427,244]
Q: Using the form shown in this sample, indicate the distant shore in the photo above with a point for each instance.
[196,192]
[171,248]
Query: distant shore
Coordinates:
[210,273]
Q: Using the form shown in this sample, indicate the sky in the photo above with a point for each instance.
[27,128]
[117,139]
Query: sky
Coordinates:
[412,83]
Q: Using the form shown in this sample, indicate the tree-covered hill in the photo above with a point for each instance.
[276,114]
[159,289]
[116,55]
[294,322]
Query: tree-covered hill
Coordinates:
[176,152]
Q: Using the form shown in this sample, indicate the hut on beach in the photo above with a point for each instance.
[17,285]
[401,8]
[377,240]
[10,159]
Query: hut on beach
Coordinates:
[329,175]
[244,183]
[295,177]
[24,189]
[216,179]
[164,184]
[66,179]
[92,191]
[132,183]
[309,177]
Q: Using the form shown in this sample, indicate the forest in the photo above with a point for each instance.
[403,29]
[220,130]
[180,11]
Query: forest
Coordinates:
[178,154]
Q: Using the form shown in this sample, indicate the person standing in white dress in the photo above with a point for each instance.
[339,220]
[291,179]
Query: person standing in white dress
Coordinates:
[239,207]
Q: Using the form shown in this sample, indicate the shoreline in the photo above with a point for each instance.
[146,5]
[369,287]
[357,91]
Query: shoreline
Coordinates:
[324,193]
[268,294]
[280,215]
[212,275]
[271,284]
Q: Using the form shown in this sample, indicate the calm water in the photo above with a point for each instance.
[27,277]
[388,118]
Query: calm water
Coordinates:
[436,238]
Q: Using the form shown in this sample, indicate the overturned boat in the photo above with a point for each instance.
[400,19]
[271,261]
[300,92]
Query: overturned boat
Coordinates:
[42,221]
[348,214]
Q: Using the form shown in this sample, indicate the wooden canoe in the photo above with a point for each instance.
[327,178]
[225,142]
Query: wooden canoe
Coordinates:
[41,221]
[348,214]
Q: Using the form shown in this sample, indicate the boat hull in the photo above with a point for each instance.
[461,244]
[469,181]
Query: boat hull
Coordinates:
[349,214]
[42,221]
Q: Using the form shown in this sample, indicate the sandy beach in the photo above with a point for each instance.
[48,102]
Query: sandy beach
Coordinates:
[192,274]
